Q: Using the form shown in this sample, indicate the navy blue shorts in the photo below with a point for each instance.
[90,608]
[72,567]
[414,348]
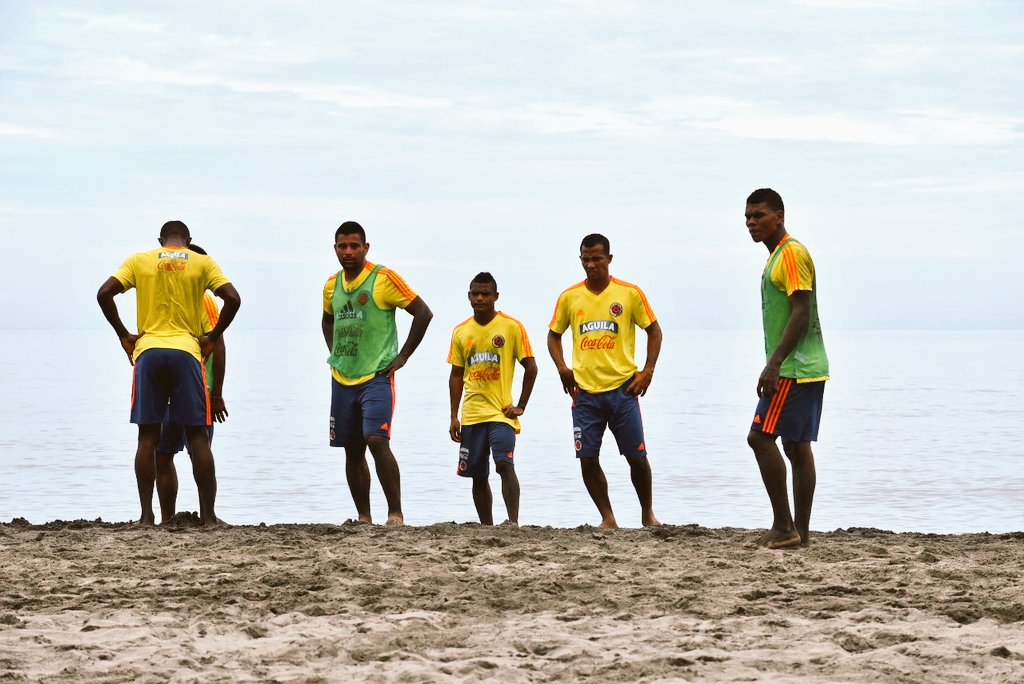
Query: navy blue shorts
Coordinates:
[793,412]
[361,410]
[169,382]
[493,437]
[617,409]
[172,437]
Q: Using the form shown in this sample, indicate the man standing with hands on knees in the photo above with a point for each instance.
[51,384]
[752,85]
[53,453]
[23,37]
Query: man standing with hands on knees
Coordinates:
[167,353]
[483,353]
[359,328]
[792,384]
[604,381]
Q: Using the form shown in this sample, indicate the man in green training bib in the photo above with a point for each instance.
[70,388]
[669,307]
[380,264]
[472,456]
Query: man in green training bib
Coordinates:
[359,329]
[792,384]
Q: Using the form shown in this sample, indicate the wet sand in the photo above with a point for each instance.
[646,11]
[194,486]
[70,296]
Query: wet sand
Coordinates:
[91,601]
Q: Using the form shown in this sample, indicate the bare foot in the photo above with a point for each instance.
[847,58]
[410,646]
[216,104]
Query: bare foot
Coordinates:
[212,524]
[509,523]
[364,520]
[148,520]
[779,539]
[395,520]
[608,524]
[649,520]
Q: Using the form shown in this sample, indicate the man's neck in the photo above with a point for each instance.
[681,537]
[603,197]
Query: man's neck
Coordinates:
[485,317]
[354,273]
[597,287]
[773,242]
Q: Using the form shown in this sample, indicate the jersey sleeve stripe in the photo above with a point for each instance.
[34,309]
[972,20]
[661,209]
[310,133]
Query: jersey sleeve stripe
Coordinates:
[643,297]
[792,272]
[527,349]
[402,286]
[212,314]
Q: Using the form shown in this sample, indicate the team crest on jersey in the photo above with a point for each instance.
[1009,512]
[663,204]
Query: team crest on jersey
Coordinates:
[363,298]
[498,341]
[615,309]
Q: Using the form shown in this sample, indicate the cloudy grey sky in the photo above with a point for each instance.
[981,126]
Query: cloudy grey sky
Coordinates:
[470,136]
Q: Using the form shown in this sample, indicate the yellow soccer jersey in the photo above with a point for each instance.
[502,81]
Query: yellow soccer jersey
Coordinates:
[603,332]
[793,270]
[169,283]
[389,292]
[488,355]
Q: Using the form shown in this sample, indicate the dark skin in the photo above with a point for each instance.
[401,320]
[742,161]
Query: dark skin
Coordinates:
[767,226]
[145,456]
[595,261]
[351,252]
[482,297]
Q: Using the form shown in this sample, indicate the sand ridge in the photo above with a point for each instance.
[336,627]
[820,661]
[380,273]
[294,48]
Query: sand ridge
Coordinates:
[113,602]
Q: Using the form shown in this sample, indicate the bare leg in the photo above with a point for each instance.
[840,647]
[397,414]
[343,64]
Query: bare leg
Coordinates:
[204,472]
[389,476]
[482,499]
[801,459]
[509,490]
[640,474]
[783,533]
[597,487]
[357,472]
[145,470]
[166,485]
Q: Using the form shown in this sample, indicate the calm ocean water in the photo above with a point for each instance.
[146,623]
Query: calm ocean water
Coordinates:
[921,431]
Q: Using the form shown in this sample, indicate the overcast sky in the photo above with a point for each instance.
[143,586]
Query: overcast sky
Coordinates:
[470,136]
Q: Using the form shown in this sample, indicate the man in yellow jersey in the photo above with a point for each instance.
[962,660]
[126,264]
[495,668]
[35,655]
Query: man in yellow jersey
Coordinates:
[167,353]
[792,385]
[359,328]
[483,353]
[172,434]
[604,382]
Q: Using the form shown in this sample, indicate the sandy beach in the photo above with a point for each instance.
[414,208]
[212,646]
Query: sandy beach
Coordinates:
[93,601]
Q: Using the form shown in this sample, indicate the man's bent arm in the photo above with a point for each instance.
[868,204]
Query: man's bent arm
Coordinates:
[530,375]
[529,378]
[105,296]
[642,380]
[232,302]
[421,315]
[796,326]
[564,372]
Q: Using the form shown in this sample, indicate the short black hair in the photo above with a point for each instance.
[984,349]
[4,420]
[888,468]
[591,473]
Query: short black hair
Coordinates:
[197,249]
[595,239]
[350,228]
[484,278]
[175,228]
[769,197]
